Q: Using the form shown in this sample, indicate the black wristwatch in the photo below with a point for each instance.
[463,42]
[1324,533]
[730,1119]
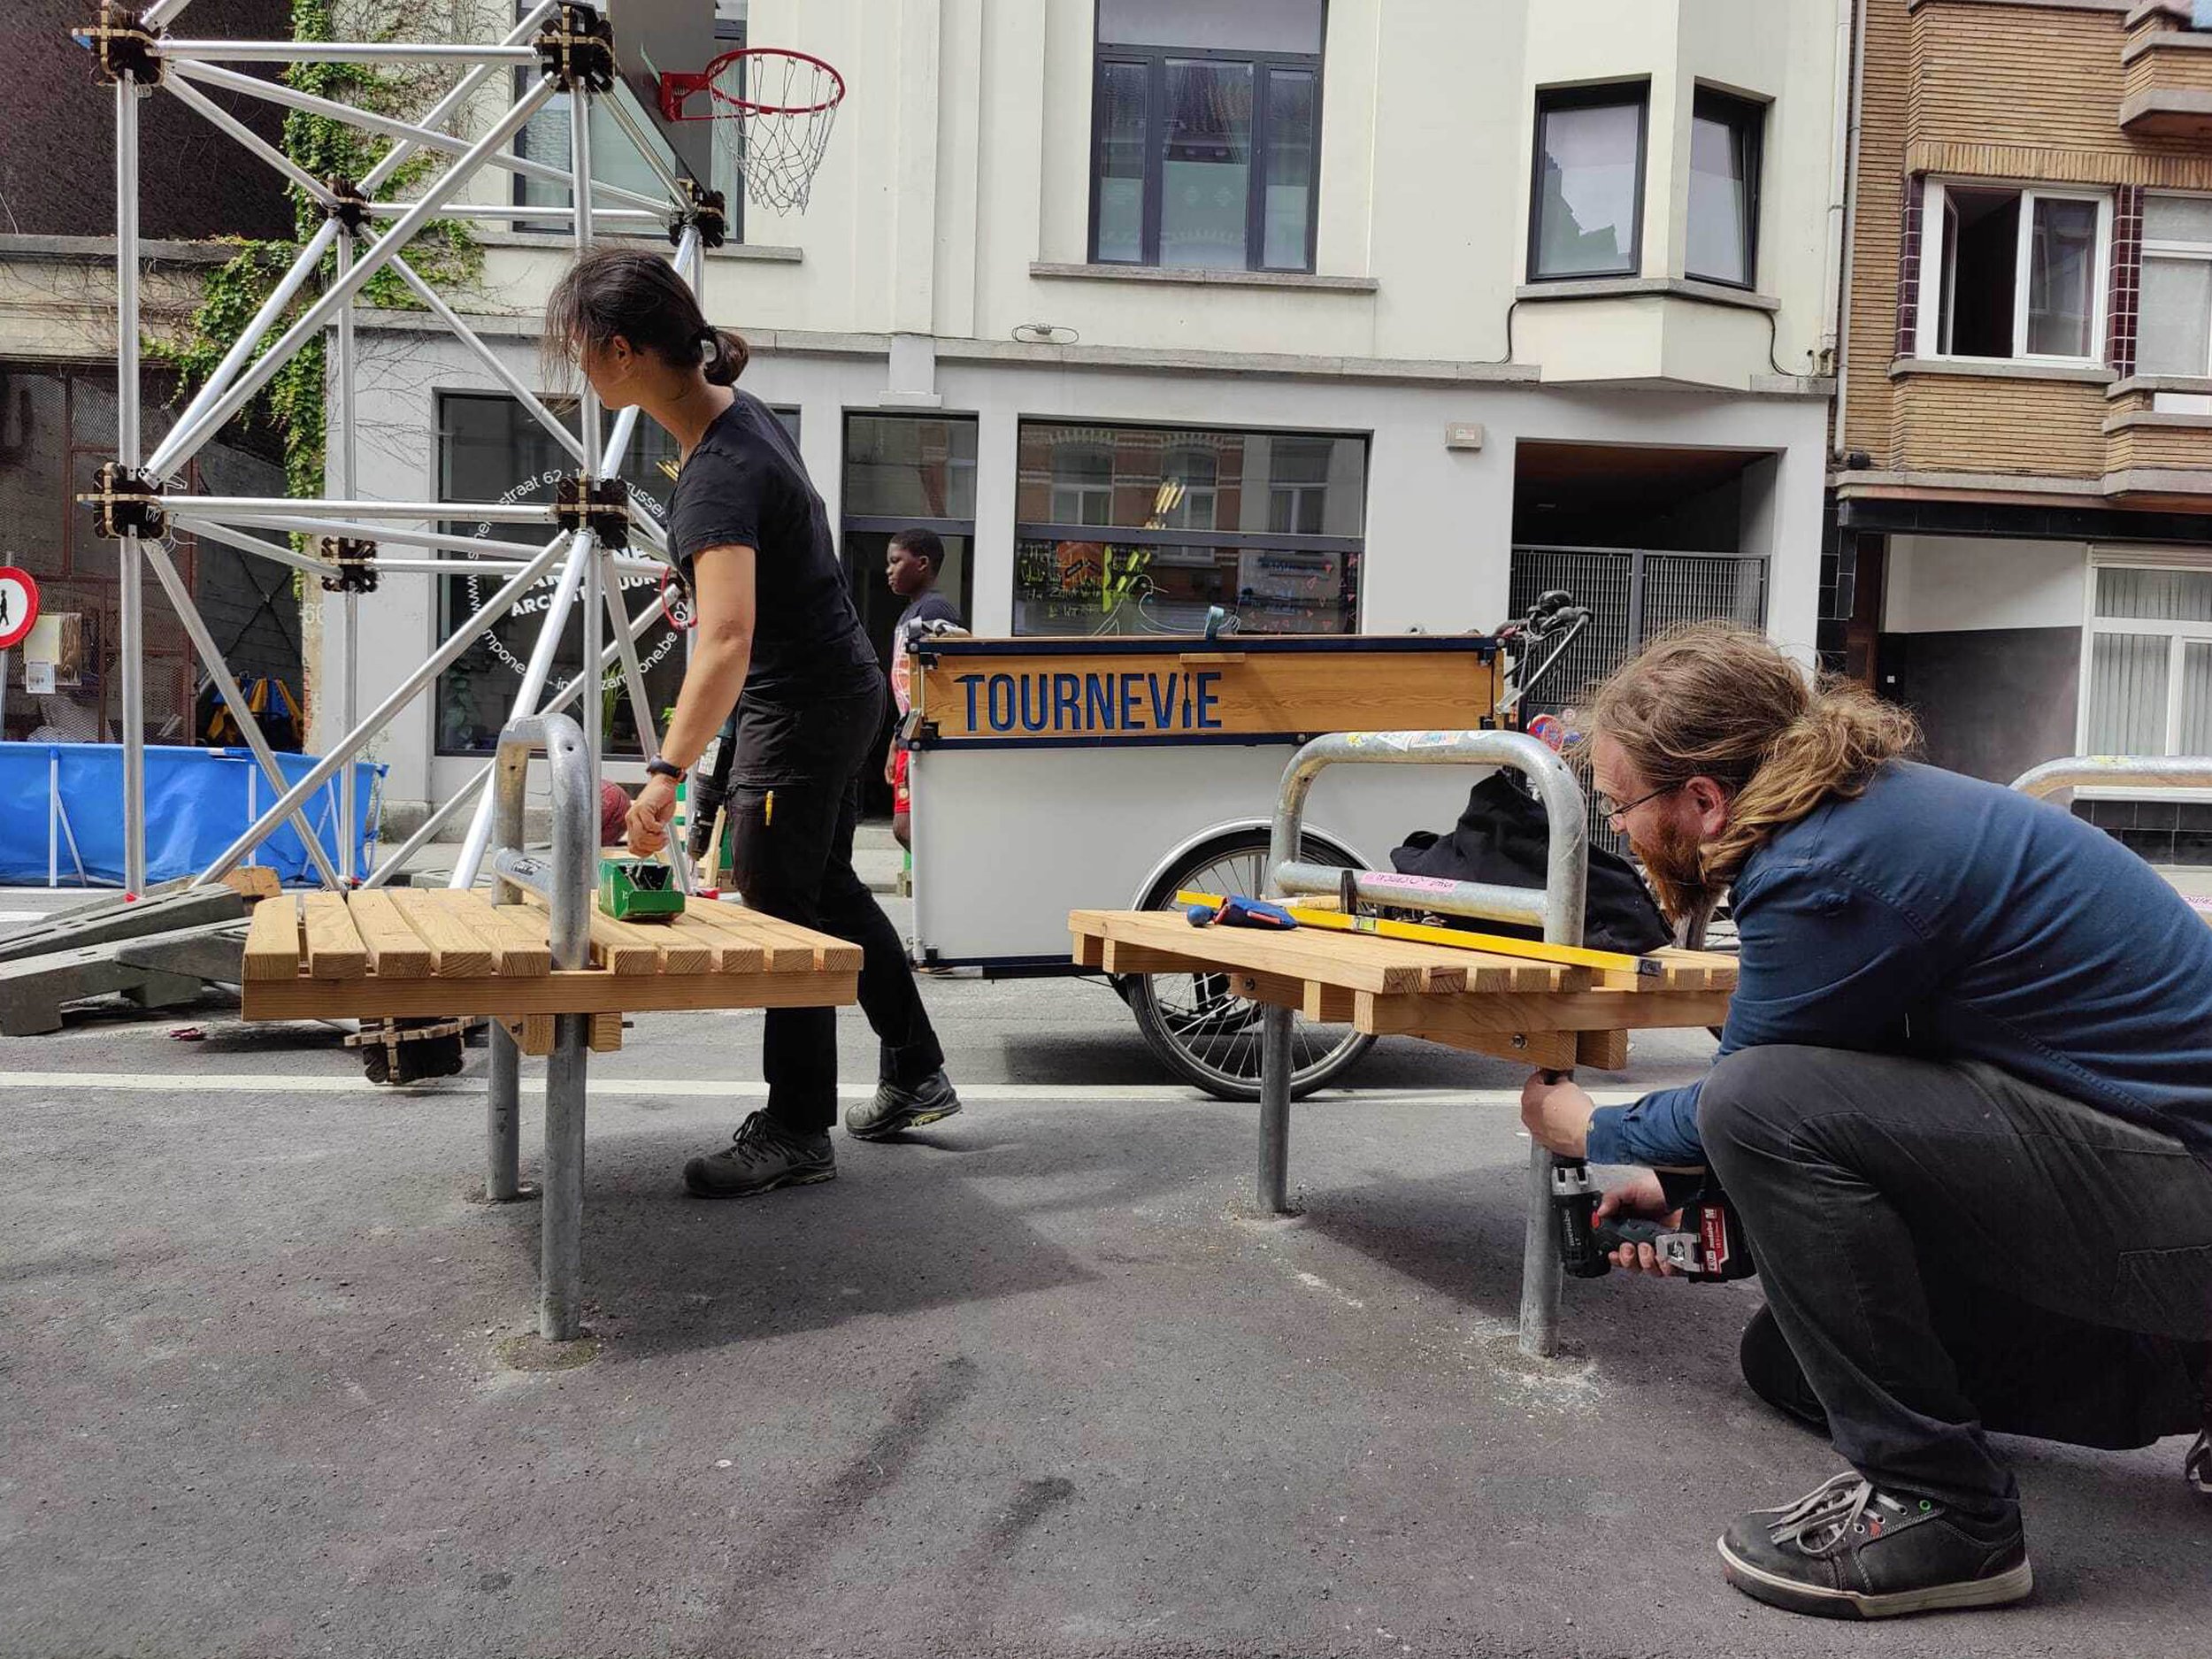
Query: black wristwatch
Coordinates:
[659,766]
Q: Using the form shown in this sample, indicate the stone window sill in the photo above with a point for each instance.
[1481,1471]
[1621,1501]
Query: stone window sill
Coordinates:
[2199,385]
[1642,288]
[544,241]
[1199,277]
[2169,419]
[2002,369]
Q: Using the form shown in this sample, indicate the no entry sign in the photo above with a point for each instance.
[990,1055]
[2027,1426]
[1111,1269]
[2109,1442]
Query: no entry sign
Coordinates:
[19,605]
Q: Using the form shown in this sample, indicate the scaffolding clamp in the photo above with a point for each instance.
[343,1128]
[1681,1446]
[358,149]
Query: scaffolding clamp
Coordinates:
[347,205]
[703,210]
[576,47]
[123,45]
[601,507]
[355,561]
[128,501]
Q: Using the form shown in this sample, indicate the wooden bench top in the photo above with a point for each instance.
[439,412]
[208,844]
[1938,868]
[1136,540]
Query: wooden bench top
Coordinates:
[415,951]
[1539,1012]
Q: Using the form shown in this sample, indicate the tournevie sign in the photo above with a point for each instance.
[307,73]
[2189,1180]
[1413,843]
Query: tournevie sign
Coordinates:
[1163,689]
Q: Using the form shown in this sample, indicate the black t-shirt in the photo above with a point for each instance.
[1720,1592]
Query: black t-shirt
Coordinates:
[928,606]
[743,484]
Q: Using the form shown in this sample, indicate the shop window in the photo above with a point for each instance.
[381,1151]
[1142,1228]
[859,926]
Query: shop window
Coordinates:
[2014,274]
[1587,205]
[1167,524]
[1205,133]
[1723,219]
[2176,328]
[2148,662]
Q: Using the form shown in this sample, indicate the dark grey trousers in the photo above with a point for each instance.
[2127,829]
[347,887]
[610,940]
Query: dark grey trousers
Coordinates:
[1879,1191]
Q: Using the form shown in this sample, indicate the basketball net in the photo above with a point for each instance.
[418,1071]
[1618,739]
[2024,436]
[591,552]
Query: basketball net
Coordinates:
[772,110]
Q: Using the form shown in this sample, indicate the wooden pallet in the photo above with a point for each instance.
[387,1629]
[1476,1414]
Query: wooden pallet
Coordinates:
[407,951]
[1547,1015]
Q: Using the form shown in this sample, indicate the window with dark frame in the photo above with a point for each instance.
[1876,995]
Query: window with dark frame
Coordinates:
[1586,199]
[1125,529]
[1726,138]
[1206,131]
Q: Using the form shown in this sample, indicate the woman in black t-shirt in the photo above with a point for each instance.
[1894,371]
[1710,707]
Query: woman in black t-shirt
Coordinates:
[776,623]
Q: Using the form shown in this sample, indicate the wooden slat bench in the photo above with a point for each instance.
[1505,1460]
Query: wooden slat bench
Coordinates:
[406,953]
[1507,1006]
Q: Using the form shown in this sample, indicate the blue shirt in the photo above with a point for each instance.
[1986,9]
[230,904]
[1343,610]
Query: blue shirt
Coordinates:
[1941,916]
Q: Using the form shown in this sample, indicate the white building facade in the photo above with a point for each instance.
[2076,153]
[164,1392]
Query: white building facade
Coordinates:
[1343,315]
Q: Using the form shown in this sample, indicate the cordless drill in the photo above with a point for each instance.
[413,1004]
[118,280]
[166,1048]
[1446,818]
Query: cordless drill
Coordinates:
[1708,1248]
[710,789]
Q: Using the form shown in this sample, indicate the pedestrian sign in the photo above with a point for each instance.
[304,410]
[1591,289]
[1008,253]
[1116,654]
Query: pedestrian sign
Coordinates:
[19,605]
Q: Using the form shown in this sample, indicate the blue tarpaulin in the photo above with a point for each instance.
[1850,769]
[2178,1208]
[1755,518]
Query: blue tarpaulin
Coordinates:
[198,801]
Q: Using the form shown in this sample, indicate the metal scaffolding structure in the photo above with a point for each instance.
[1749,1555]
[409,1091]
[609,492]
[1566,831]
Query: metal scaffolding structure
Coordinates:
[141,498]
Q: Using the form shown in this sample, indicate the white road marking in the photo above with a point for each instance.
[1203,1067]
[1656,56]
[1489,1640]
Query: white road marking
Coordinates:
[692,1089]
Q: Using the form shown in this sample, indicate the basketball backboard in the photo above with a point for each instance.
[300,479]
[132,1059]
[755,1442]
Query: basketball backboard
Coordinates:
[658,37]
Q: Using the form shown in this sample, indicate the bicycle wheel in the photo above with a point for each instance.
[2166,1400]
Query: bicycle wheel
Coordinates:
[1201,1033]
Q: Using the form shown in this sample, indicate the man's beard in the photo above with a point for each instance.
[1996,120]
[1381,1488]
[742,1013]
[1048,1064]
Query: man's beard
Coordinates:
[1674,867]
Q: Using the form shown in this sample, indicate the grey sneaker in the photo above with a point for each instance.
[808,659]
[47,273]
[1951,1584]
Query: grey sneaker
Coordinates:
[894,1110]
[762,1156]
[1846,1550]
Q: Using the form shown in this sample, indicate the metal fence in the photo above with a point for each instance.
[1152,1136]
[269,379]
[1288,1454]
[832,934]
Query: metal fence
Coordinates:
[1634,595]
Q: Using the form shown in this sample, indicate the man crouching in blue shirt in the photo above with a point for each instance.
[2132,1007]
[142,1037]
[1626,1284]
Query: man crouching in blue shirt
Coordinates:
[1963,1103]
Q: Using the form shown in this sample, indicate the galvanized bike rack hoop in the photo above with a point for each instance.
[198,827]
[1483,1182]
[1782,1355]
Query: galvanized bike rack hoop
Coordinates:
[1558,907]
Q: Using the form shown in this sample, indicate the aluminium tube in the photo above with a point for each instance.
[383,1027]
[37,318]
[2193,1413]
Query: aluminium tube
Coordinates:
[552,623]
[249,728]
[525,28]
[570,690]
[182,441]
[344,453]
[483,353]
[588,415]
[191,51]
[342,751]
[413,132]
[130,596]
[1561,911]
[206,530]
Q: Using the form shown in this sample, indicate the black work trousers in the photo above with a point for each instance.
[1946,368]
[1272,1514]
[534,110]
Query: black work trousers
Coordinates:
[1883,1194]
[794,802]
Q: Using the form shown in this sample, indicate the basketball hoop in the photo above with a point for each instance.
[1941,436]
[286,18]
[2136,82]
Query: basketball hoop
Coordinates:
[772,110]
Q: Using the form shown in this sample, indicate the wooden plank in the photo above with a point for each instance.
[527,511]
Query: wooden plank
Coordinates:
[831,955]
[590,991]
[1330,960]
[516,934]
[781,955]
[1601,1050]
[1545,1050]
[1090,951]
[459,948]
[1119,956]
[253,882]
[621,948]
[1329,1005]
[272,942]
[334,950]
[534,1033]
[727,952]
[1436,1017]
[395,950]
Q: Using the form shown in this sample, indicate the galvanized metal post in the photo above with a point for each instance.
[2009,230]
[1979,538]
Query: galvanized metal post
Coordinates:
[341,480]
[130,596]
[503,1120]
[565,882]
[579,107]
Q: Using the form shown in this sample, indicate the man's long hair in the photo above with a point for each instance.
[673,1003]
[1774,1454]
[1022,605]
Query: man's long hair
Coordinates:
[1719,701]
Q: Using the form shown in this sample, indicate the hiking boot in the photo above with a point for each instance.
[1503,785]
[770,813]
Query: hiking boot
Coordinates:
[763,1155]
[894,1110]
[1845,1550]
[2196,1467]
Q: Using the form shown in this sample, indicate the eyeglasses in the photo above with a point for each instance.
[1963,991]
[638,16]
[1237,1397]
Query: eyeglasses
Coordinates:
[1614,812]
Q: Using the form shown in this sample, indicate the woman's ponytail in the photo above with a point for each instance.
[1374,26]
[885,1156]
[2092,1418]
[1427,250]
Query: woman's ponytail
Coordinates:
[725,355]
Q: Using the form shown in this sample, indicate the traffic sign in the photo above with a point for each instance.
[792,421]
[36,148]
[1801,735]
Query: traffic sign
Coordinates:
[19,605]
